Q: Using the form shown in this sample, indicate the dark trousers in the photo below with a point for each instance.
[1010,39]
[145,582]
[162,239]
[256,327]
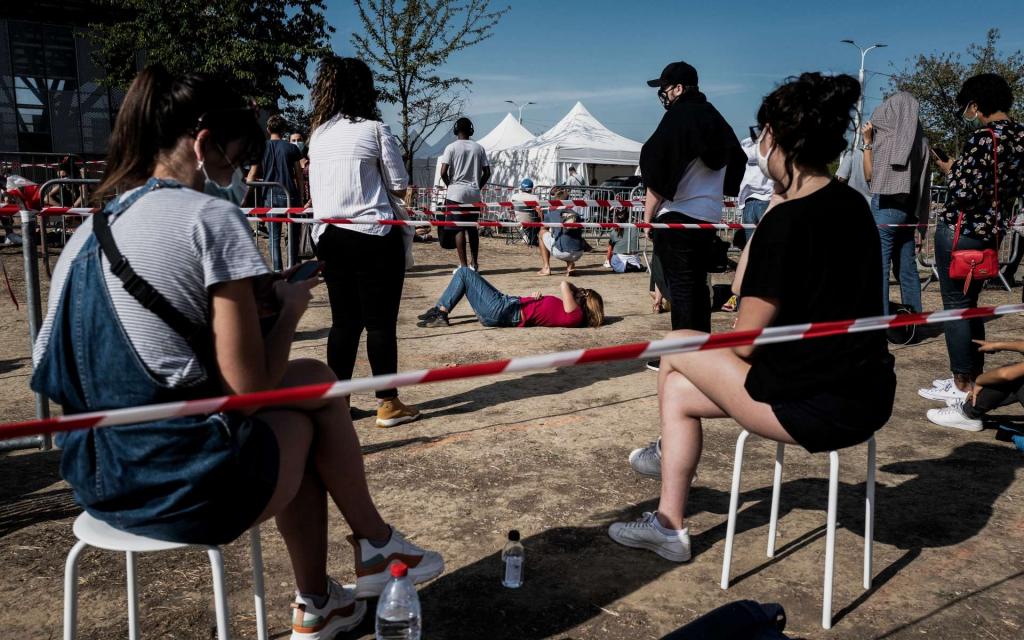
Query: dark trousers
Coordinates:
[995,396]
[964,357]
[683,255]
[364,275]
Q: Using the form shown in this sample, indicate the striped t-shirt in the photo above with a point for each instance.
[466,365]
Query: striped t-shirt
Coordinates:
[182,242]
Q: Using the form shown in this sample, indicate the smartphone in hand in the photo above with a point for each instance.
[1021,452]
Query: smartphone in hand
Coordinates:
[940,154]
[306,270]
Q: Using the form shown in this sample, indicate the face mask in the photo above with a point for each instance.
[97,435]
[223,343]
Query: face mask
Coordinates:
[666,101]
[762,160]
[301,145]
[974,122]
[233,192]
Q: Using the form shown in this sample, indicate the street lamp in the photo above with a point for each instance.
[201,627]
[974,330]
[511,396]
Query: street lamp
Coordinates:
[521,106]
[860,78]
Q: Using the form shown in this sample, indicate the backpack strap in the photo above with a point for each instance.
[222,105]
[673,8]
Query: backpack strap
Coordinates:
[140,289]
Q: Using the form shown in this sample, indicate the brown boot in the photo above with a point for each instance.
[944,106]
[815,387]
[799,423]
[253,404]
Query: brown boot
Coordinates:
[392,412]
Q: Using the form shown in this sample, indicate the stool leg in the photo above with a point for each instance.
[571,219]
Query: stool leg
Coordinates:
[780,453]
[220,598]
[71,591]
[830,538]
[133,596]
[869,514]
[734,501]
[256,553]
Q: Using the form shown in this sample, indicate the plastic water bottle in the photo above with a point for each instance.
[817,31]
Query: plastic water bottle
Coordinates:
[513,556]
[398,610]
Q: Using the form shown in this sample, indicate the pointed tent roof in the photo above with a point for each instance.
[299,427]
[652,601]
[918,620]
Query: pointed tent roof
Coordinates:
[508,133]
[580,137]
[433,150]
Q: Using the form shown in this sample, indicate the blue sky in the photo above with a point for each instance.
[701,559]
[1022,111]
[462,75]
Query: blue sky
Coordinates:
[601,52]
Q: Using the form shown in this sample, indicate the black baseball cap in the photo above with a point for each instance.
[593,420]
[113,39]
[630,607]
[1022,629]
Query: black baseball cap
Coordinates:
[676,73]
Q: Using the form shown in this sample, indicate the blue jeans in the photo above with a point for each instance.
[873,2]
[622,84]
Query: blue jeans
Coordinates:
[492,307]
[753,211]
[897,249]
[274,198]
[964,357]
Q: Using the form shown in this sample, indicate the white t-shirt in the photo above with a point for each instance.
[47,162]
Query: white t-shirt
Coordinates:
[466,161]
[523,212]
[182,242]
[755,184]
[699,193]
[345,178]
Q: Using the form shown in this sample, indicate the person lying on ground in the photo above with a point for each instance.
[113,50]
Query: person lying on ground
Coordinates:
[188,328]
[992,389]
[823,394]
[573,307]
[566,245]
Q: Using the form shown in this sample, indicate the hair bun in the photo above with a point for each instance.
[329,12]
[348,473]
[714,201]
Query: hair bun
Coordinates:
[841,91]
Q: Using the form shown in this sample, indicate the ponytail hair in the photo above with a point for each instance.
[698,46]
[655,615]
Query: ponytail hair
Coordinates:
[344,86]
[158,110]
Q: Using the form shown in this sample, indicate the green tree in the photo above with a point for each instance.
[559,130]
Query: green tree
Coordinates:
[407,41]
[936,78]
[253,46]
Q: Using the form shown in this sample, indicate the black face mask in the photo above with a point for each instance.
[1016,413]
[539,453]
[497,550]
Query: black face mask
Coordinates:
[663,96]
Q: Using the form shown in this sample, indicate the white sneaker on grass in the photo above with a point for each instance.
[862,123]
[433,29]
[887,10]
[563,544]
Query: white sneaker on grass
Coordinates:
[955,418]
[947,391]
[647,460]
[373,564]
[341,612]
[647,533]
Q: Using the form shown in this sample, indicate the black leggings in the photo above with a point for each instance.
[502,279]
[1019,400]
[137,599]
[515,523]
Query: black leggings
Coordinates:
[364,275]
[994,396]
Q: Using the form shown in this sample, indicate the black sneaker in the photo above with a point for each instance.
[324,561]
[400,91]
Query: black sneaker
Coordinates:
[439,319]
[654,365]
[431,312]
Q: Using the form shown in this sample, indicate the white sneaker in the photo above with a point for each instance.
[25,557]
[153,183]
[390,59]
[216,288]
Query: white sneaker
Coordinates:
[606,264]
[940,383]
[955,418]
[947,391]
[373,565]
[342,612]
[647,460]
[646,533]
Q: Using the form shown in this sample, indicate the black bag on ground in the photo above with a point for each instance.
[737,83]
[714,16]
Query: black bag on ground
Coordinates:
[901,335]
[740,620]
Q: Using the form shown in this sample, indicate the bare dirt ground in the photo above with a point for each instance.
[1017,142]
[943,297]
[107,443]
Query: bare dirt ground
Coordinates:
[546,453]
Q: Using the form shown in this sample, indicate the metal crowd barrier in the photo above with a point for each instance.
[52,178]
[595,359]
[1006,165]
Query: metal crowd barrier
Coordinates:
[43,239]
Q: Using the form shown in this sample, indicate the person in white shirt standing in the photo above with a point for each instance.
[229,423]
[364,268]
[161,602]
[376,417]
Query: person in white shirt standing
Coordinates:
[755,189]
[464,170]
[354,162]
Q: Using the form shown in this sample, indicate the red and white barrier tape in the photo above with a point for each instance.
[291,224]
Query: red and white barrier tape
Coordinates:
[264,214]
[638,350]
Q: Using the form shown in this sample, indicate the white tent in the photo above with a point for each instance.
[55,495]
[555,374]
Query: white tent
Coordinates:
[578,140]
[508,133]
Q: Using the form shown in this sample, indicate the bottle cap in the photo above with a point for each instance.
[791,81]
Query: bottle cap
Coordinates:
[399,570]
[513,535]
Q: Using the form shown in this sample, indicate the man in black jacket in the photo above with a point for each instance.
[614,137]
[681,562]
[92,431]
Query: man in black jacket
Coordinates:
[688,164]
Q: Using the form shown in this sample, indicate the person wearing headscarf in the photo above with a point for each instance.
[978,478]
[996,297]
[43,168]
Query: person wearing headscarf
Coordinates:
[896,167]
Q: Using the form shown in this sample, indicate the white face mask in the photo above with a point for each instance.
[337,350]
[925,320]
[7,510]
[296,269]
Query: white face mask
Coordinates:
[762,160]
[233,192]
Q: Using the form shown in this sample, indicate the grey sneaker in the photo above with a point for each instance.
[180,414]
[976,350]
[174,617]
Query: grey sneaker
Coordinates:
[647,460]
[439,319]
[643,533]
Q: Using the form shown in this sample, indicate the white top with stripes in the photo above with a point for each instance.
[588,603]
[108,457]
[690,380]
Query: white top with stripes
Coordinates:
[182,242]
[345,180]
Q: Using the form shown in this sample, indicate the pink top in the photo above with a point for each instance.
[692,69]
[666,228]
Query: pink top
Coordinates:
[548,312]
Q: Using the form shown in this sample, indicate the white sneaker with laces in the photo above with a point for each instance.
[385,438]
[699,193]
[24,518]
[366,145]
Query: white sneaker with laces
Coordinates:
[341,612]
[647,460]
[940,382]
[373,564]
[954,417]
[646,533]
[947,391]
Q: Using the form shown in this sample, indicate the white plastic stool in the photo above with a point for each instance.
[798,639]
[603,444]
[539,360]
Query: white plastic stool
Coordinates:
[95,533]
[830,539]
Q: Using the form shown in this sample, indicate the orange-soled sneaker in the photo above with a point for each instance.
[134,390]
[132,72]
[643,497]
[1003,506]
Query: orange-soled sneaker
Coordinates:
[372,563]
[341,612]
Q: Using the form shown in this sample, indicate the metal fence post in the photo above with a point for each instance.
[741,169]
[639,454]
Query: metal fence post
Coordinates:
[32,294]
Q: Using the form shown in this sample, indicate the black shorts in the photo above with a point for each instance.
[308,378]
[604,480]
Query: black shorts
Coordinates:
[446,235]
[830,421]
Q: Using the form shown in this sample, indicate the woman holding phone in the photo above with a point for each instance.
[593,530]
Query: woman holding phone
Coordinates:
[156,299]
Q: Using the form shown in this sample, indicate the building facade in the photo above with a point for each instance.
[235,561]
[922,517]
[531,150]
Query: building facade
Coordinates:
[51,99]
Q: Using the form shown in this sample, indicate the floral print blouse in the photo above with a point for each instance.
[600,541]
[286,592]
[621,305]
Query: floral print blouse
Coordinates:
[972,181]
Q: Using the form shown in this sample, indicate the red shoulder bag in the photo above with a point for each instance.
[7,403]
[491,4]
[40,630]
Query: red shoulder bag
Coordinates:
[977,264]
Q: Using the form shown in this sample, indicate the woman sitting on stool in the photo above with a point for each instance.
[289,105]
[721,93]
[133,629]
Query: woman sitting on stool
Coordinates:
[823,394]
[574,307]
